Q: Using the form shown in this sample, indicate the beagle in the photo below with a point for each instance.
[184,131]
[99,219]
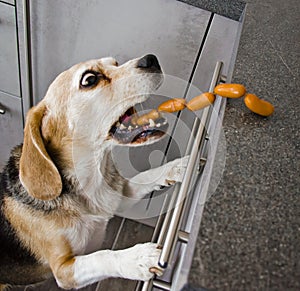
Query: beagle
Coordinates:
[62,183]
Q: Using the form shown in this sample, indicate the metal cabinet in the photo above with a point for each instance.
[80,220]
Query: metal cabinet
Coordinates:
[11,125]
[9,71]
[188,41]
[11,112]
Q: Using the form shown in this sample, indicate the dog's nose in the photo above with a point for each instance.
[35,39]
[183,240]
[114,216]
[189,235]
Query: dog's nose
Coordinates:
[148,62]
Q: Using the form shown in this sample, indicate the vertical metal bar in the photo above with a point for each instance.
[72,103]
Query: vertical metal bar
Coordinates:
[169,213]
[177,212]
[200,191]
[147,285]
[162,224]
[170,226]
[173,227]
[24,43]
[216,76]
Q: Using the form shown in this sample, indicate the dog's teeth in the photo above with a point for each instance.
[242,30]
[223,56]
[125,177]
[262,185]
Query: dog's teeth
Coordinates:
[122,126]
[165,122]
[151,123]
[158,125]
[130,128]
[136,126]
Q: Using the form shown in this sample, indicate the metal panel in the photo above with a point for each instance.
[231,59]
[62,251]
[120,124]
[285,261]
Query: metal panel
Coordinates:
[64,34]
[11,125]
[219,46]
[22,15]
[9,71]
[124,29]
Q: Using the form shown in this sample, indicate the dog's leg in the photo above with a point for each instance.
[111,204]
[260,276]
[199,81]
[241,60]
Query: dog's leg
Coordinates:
[157,178]
[133,263]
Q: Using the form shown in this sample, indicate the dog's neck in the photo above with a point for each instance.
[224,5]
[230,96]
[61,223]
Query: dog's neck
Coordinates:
[96,177]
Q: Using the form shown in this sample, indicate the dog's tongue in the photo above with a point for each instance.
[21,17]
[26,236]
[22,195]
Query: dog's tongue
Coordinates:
[125,119]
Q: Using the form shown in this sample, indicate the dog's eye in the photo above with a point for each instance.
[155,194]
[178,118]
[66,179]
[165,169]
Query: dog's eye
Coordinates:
[89,79]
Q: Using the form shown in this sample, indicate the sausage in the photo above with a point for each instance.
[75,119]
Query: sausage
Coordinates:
[172,105]
[230,90]
[144,119]
[258,106]
[201,101]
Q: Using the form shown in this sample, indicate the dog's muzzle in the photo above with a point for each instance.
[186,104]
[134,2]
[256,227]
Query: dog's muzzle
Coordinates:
[125,130]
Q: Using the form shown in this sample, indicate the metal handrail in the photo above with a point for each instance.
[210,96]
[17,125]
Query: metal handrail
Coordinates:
[167,231]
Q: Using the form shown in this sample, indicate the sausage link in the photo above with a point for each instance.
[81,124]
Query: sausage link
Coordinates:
[230,90]
[172,105]
[144,119]
[258,106]
[201,101]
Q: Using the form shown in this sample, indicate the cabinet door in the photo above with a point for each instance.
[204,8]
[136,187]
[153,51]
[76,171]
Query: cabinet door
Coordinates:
[169,29]
[11,125]
[122,29]
[9,72]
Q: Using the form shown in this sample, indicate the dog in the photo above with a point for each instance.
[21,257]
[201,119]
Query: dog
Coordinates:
[61,183]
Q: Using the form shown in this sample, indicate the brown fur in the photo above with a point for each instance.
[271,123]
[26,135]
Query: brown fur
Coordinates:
[47,245]
[41,197]
[37,170]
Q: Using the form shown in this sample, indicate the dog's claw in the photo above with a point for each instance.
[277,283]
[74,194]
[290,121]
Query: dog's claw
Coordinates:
[176,170]
[157,271]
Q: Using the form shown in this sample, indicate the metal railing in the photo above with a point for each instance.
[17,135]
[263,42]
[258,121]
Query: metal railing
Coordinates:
[167,230]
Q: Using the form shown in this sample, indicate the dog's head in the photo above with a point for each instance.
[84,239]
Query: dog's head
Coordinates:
[89,106]
[103,96]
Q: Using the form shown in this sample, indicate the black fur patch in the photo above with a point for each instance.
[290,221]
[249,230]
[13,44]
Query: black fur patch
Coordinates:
[13,255]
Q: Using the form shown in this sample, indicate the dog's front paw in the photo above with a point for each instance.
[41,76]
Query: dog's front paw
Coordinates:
[140,262]
[175,171]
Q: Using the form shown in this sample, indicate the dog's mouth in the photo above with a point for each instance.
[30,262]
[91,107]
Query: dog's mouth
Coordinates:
[127,131]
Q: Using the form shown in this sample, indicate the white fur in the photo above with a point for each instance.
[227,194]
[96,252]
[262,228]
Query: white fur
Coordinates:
[132,263]
[90,115]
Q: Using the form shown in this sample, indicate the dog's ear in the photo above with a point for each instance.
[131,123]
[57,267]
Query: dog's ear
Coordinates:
[38,173]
